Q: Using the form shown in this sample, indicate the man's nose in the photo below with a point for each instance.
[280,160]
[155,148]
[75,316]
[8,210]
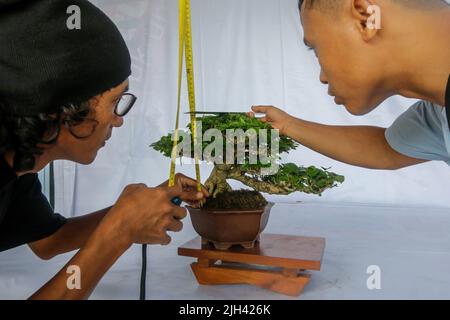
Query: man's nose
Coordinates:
[118,121]
[323,78]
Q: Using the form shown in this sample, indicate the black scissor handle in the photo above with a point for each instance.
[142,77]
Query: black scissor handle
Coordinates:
[177,201]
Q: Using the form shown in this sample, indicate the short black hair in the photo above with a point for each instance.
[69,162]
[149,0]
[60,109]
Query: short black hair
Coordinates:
[314,3]
[320,4]
[323,4]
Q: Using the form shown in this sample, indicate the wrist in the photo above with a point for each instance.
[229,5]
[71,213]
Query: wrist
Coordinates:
[113,228]
[289,128]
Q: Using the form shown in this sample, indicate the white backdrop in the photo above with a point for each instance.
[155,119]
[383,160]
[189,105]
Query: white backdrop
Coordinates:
[246,52]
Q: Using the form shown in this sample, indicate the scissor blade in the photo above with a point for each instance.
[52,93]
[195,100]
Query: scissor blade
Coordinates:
[214,112]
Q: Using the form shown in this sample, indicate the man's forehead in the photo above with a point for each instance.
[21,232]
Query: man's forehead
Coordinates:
[314,21]
[304,20]
[126,85]
[302,11]
[306,15]
[120,89]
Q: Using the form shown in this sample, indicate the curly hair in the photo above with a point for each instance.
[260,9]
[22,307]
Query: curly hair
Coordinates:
[23,134]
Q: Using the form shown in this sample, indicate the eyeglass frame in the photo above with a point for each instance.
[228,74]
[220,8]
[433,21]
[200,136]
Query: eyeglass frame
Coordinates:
[133,101]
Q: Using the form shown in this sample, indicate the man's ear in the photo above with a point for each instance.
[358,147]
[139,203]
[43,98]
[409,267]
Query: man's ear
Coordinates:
[367,15]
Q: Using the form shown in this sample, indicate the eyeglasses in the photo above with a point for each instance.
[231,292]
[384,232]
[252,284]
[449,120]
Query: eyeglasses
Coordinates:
[124,105]
[86,128]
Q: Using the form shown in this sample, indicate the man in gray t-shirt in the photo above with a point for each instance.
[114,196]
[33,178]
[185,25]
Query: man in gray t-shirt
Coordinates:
[422,132]
[369,52]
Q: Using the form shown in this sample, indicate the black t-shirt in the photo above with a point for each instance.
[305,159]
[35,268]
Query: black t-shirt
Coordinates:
[25,213]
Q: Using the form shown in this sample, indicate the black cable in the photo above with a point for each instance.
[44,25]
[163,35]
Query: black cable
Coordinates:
[176,201]
[52,185]
[143,272]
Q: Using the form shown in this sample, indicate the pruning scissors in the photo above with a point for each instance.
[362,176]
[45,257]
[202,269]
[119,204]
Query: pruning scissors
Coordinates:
[222,113]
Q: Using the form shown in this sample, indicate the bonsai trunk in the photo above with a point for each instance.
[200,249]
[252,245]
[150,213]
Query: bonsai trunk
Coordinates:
[217,181]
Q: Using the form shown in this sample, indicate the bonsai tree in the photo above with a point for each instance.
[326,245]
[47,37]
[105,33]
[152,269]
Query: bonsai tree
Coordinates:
[288,178]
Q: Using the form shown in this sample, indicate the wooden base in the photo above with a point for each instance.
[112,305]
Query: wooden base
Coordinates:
[277,263]
[227,245]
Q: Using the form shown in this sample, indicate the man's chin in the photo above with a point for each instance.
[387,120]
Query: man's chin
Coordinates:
[354,111]
[88,160]
[357,109]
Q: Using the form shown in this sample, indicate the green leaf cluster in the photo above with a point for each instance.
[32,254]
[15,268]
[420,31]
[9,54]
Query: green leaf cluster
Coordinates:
[223,123]
[304,179]
[289,178]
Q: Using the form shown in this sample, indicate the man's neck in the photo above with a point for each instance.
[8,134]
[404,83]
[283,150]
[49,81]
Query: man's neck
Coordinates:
[423,62]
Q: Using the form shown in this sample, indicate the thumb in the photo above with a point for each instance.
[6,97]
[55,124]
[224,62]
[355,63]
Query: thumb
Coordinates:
[166,240]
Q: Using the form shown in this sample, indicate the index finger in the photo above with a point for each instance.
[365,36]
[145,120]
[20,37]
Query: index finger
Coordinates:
[186,181]
[189,182]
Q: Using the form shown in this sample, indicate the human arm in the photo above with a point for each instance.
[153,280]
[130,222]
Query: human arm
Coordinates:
[362,146]
[141,215]
[71,236]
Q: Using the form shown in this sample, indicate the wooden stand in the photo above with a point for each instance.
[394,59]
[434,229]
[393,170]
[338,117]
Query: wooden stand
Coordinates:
[277,263]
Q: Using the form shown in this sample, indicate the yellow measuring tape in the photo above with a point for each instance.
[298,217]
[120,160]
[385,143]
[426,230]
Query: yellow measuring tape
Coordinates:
[185,34]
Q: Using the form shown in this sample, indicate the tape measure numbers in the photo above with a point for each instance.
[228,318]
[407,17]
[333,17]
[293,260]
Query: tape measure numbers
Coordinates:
[185,49]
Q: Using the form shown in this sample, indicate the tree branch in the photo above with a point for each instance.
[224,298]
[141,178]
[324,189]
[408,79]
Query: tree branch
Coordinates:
[257,184]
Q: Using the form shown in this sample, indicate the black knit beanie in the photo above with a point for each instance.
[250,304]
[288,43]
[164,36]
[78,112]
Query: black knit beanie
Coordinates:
[44,65]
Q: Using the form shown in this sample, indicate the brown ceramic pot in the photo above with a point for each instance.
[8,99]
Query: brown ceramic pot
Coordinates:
[225,228]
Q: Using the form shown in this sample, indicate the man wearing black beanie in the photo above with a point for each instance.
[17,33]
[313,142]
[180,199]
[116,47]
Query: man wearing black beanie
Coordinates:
[62,91]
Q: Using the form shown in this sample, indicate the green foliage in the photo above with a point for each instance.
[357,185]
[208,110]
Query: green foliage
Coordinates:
[224,123]
[308,180]
[164,145]
[289,178]
[231,121]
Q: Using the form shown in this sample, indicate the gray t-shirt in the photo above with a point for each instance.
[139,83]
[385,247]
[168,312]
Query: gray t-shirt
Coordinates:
[422,132]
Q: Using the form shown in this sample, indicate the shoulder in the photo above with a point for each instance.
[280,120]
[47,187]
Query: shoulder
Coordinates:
[427,108]
[24,187]
[419,133]
[423,114]
[7,175]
